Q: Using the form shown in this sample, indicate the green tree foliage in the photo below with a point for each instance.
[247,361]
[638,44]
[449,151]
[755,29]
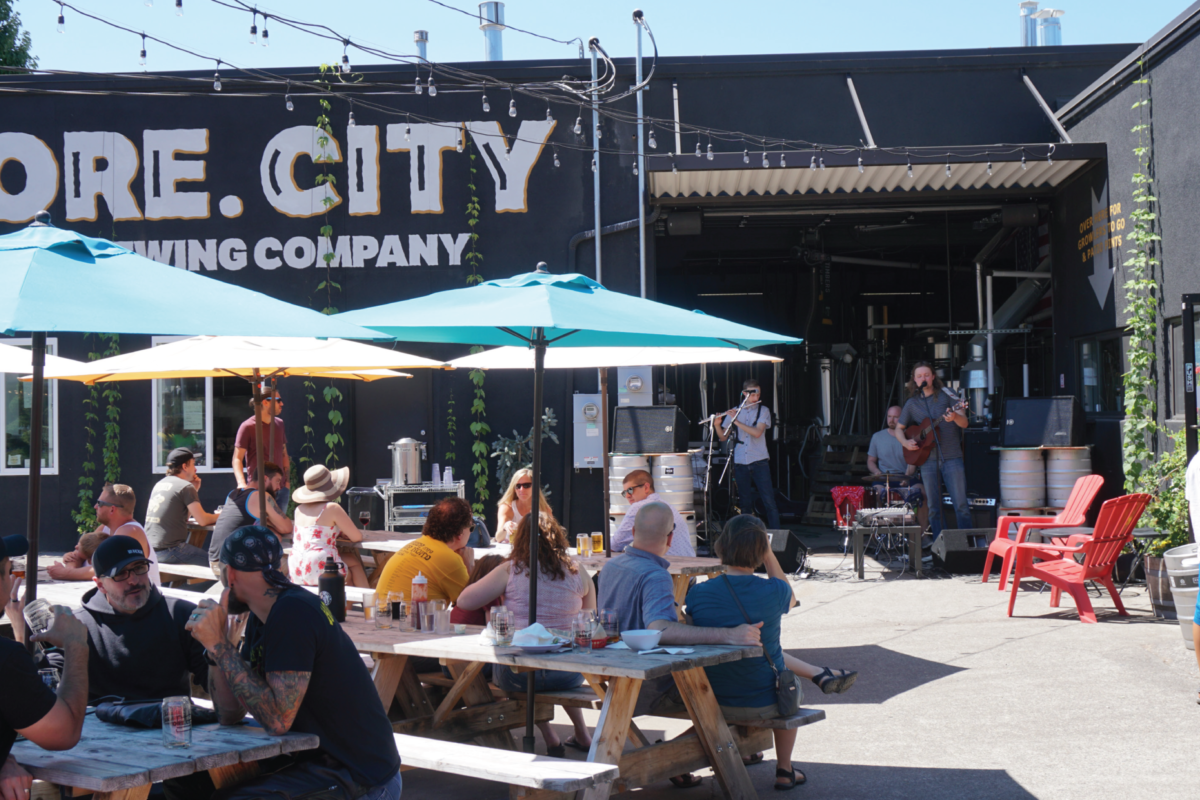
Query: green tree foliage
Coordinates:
[15,44]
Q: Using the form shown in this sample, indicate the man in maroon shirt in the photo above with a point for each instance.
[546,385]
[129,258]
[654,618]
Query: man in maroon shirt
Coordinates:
[245,448]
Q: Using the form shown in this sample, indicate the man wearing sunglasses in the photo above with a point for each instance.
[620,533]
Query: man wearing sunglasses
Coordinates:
[245,446]
[751,462]
[639,491]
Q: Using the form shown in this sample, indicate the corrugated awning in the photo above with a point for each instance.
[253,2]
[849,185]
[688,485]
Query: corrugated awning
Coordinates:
[865,171]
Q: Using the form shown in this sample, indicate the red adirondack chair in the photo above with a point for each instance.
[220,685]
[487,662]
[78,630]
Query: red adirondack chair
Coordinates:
[1082,495]
[1114,530]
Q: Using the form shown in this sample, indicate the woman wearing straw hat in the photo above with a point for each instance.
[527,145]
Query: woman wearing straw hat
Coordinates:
[320,521]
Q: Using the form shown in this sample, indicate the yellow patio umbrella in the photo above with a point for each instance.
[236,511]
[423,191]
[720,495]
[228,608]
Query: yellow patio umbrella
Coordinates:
[255,358]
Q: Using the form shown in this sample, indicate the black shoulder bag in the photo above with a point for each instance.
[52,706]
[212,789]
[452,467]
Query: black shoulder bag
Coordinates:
[788,691]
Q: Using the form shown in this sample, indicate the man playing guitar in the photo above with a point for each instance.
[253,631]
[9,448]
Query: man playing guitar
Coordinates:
[928,399]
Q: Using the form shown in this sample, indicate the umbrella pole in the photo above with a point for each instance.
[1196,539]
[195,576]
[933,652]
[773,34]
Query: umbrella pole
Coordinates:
[258,448]
[271,433]
[604,457]
[38,388]
[535,530]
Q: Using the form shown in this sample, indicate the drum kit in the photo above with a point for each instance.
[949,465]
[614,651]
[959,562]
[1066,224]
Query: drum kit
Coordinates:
[889,524]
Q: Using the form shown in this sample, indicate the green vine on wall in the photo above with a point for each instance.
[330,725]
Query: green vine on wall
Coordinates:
[308,449]
[451,428]
[1142,294]
[479,427]
[105,345]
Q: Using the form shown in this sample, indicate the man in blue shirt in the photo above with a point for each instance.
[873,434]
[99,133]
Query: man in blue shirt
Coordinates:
[638,587]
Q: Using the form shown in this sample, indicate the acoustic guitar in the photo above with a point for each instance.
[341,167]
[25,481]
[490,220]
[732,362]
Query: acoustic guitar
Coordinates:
[922,434]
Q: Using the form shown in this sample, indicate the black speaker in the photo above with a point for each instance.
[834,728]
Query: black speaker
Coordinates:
[650,429]
[981,462]
[789,551]
[1042,421]
[364,500]
[963,551]
[983,513]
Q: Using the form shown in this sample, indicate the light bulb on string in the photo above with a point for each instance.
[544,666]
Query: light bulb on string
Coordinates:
[557,164]
[417,87]
[458,145]
[745,156]
[432,86]
[989,168]
[1023,164]
[947,169]
[698,147]
[1050,156]
[578,126]
[407,132]
[142,56]
[217,78]
[266,35]
[909,167]
[812,164]
[595,166]
[674,169]
[653,142]
[635,169]
[860,166]
[350,123]
[783,159]
[512,108]
[254,28]
[821,162]
[346,59]
[766,163]
[710,152]
[549,116]
[62,21]
[179,8]
[486,105]
[288,102]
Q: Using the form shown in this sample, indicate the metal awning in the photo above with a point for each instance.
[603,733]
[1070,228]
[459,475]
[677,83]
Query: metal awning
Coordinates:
[1032,168]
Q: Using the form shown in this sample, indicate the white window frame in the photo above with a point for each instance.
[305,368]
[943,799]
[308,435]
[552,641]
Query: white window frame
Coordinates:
[52,388]
[208,420]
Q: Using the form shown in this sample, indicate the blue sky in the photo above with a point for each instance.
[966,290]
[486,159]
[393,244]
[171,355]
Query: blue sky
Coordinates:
[682,27]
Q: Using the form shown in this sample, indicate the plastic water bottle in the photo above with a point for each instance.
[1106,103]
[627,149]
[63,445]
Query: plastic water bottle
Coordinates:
[437,474]
[448,477]
[331,588]
[420,596]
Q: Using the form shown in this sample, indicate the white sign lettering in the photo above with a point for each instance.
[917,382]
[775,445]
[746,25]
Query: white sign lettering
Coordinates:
[41,176]
[86,178]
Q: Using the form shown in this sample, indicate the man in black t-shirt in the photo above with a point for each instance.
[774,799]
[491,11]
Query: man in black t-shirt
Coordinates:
[28,706]
[297,671]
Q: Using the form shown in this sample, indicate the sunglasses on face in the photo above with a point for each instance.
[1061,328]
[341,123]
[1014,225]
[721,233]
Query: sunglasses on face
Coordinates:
[103,504]
[140,568]
[525,485]
[629,492]
[750,391]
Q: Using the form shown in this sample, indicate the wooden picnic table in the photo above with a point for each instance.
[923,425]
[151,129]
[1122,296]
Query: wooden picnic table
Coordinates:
[120,763]
[197,533]
[615,675]
[682,568]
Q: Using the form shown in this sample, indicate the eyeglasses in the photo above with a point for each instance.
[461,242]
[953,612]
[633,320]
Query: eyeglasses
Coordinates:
[525,485]
[629,492]
[750,391]
[277,400]
[103,504]
[140,568]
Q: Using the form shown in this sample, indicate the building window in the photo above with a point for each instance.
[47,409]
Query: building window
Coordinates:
[1101,362]
[201,414]
[18,408]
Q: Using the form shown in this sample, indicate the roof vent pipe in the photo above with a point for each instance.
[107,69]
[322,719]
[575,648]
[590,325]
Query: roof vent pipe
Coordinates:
[1049,27]
[491,22]
[1028,24]
[422,40]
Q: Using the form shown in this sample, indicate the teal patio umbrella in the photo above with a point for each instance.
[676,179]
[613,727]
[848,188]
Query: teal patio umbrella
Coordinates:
[54,280]
[544,310]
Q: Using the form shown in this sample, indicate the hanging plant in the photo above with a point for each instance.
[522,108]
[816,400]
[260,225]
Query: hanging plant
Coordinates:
[479,427]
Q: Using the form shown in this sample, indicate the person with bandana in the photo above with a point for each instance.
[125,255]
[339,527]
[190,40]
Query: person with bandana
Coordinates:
[297,671]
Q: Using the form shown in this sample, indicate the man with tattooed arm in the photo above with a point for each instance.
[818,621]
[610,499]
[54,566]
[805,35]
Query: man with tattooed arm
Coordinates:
[297,671]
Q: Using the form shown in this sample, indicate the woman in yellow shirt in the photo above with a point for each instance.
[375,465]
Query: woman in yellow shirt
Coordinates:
[441,554]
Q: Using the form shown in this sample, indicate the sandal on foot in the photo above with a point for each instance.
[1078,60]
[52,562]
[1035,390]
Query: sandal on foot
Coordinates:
[830,683]
[558,751]
[752,760]
[686,781]
[574,744]
[790,774]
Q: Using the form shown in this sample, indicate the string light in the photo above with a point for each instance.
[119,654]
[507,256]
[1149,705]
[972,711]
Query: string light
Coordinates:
[407,132]
[350,123]
[486,105]
[432,86]
[512,108]
[745,156]
[766,163]
[578,126]
[254,27]
[458,145]
[697,145]
[674,169]
[989,167]
[290,105]
[266,35]
[947,169]
[710,152]
[595,166]
[812,164]
[417,87]
[179,8]
[142,58]
[346,62]
[217,78]
[821,162]
[860,166]
[653,142]
[557,164]
[635,169]
[1049,156]
[549,116]
[599,131]
[909,167]
[62,21]
[783,159]
[1024,166]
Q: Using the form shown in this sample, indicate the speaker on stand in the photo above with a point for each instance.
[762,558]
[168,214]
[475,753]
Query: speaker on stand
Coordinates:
[962,551]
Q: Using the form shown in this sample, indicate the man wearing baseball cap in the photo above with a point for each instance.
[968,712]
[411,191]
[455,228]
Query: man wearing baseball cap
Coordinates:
[28,706]
[297,671]
[171,500]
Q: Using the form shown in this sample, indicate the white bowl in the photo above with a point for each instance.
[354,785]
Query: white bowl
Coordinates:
[641,640]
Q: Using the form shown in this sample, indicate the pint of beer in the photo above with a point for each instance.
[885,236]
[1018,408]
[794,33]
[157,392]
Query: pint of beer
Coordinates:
[583,545]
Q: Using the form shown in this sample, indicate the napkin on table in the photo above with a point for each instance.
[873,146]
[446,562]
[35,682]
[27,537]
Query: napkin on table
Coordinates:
[534,636]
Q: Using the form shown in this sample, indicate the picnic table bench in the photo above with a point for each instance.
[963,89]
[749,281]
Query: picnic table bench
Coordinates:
[617,675]
[178,574]
[120,763]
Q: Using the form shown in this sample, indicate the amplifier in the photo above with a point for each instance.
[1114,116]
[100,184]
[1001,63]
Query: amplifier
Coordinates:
[983,512]
[1042,422]
[963,551]
[650,429]
[789,551]
[365,504]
